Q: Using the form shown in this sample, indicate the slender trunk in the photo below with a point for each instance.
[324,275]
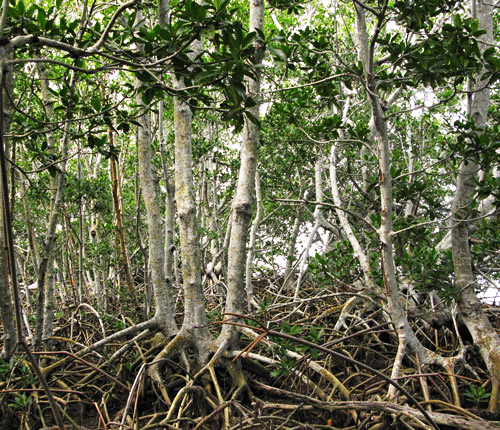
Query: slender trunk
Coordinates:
[213,268]
[410,204]
[388,267]
[117,206]
[140,241]
[164,311]
[186,207]
[81,248]
[49,305]
[242,203]
[251,303]
[99,290]
[169,207]
[406,335]
[469,306]
[35,258]
[290,254]
[169,248]
[346,226]
[7,309]
[55,206]
[318,222]
[194,323]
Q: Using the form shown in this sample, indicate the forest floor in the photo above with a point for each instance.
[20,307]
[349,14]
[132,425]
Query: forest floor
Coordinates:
[291,385]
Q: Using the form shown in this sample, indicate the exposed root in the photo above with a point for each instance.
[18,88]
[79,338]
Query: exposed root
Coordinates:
[145,380]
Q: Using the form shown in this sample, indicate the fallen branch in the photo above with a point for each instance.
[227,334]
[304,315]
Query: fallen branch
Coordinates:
[456,421]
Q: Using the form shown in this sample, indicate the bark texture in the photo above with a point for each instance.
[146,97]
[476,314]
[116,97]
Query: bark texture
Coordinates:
[251,303]
[6,304]
[164,311]
[44,311]
[407,337]
[243,199]
[469,307]
[194,302]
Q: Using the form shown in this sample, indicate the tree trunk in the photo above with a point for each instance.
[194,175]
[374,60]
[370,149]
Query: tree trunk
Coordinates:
[242,202]
[164,312]
[406,335]
[117,206]
[251,303]
[469,307]
[169,208]
[57,184]
[6,304]
[290,254]
[194,323]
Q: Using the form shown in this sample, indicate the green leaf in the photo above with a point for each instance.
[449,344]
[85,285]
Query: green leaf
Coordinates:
[489,52]
[94,141]
[231,114]
[41,18]
[278,53]
[73,25]
[96,103]
[220,4]
[31,11]
[20,7]
[232,95]
[148,96]
[239,88]
[205,75]
[53,170]
[252,118]
[198,12]
[248,39]
[250,102]
[124,126]
[144,77]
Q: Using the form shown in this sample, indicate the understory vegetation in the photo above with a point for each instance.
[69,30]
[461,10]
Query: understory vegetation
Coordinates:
[292,385]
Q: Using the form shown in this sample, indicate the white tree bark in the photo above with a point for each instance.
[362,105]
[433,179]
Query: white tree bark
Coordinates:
[242,202]
[251,303]
[194,324]
[164,310]
[319,221]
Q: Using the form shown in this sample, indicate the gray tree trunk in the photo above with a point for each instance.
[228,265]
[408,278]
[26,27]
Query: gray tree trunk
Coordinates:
[7,312]
[194,324]
[44,311]
[469,307]
[242,202]
[407,337]
[164,311]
